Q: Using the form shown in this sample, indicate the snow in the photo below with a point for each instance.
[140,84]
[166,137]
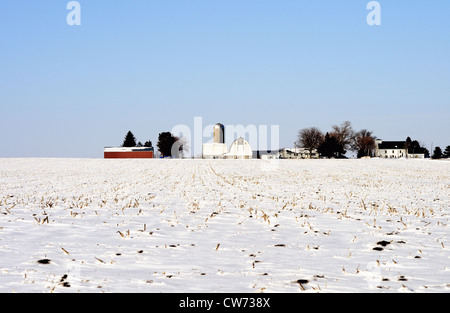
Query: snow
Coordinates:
[127,149]
[224,225]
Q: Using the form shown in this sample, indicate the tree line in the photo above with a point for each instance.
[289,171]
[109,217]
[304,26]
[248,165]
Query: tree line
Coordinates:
[336,143]
[168,144]
[130,141]
[333,144]
[342,138]
[439,154]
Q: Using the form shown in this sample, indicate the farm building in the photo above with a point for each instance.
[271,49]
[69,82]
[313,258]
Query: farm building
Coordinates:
[214,150]
[239,149]
[390,149]
[288,153]
[298,153]
[266,154]
[128,153]
[217,149]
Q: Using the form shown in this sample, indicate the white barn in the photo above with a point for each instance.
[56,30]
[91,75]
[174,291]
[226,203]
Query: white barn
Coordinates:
[240,149]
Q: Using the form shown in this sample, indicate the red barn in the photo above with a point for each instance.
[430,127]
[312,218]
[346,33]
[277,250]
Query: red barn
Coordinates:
[128,153]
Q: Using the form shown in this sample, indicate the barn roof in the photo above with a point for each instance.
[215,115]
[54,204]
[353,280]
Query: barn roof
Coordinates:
[125,149]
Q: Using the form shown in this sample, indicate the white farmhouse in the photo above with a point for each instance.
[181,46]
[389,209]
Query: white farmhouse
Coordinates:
[390,149]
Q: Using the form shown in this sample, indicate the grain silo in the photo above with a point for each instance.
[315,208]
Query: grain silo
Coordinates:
[219,133]
[217,148]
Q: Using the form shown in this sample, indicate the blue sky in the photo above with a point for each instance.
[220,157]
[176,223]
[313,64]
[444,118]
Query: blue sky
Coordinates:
[146,66]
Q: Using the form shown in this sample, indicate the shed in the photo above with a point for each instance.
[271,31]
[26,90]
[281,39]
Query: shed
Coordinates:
[128,153]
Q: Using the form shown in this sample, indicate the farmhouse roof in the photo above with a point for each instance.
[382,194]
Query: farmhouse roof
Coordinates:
[392,145]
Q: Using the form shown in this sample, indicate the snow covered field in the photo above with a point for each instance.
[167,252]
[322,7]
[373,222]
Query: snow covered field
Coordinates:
[93,225]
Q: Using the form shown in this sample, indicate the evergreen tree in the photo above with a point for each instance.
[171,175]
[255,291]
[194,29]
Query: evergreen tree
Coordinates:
[414,147]
[129,140]
[408,143]
[331,147]
[148,144]
[437,153]
[447,152]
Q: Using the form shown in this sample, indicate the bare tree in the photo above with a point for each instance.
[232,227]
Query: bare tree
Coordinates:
[364,143]
[310,138]
[344,134]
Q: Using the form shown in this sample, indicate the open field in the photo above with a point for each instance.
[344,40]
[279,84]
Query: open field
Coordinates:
[93,225]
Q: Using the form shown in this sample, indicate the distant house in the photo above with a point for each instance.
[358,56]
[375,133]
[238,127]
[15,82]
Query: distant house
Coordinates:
[390,149]
[287,153]
[298,153]
[128,153]
[397,149]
